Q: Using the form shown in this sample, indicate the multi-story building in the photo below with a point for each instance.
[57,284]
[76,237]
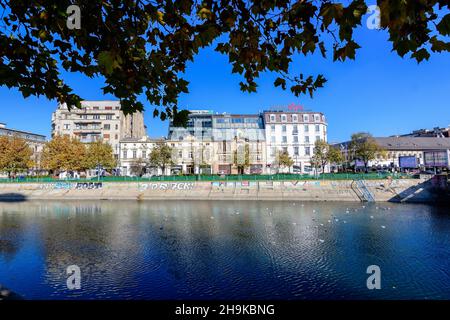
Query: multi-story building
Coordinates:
[35,141]
[294,132]
[234,142]
[408,152]
[135,153]
[98,120]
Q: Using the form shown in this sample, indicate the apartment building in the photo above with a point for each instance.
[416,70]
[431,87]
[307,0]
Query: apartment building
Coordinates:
[235,142]
[295,133]
[35,141]
[98,120]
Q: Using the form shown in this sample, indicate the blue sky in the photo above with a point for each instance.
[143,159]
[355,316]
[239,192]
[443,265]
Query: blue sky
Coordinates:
[379,92]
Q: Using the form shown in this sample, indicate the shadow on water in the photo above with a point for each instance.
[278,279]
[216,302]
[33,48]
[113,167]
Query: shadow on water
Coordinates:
[12,197]
[6,294]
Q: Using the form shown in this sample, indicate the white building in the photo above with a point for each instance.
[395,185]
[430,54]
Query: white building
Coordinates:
[414,152]
[98,120]
[294,133]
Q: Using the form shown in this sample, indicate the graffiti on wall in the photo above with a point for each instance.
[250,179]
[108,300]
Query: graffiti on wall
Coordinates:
[56,186]
[89,185]
[167,186]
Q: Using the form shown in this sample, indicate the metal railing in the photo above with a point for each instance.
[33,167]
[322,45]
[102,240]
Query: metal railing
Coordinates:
[364,191]
[249,177]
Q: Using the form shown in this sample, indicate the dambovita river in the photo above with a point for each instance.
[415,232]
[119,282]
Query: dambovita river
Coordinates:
[224,250]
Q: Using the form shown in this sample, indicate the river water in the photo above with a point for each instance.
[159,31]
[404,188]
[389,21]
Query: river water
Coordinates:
[224,249]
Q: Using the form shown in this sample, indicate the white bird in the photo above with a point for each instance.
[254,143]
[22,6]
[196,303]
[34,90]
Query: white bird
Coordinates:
[322,241]
[384,227]
[371,217]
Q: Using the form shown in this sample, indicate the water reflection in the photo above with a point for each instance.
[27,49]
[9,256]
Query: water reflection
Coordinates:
[224,250]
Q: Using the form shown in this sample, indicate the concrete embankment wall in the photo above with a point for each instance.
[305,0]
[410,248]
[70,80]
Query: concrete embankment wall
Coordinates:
[313,190]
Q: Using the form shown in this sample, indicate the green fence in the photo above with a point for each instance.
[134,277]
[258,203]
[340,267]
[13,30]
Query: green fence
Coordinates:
[275,177]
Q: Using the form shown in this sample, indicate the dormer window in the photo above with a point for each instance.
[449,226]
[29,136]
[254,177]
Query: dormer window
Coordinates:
[272,118]
[283,118]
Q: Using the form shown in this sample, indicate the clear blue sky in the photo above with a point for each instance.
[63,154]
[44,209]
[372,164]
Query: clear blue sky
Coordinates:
[379,92]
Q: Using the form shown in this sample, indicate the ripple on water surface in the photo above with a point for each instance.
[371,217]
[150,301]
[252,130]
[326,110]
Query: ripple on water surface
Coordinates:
[224,250]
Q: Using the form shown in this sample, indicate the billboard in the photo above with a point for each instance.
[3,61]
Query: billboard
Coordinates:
[359,164]
[436,159]
[407,162]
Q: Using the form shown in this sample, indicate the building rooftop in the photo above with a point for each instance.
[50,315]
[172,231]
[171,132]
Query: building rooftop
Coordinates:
[414,143]
[32,135]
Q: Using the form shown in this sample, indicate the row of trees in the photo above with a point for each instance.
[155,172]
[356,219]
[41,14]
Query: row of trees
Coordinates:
[60,154]
[15,155]
[63,153]
[362,147]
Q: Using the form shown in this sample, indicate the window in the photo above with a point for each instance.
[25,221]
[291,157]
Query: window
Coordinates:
[283,118]
[191,155]
[134,154]
[283,128]
[306,139]
[296,139]
[307,151]
[306,128]
[94,108]
[305,118]
[318,138]
[107,127]
[272,118]
[144,154]
[116,136]
[273,151]
[272,127]
[294,118]
[106,136]
[96,117]
[284,139]
[296,151]
[272,139]
[295,130]
[125,154]
[180,154]
[317,128]
[316,118]
[109,117]
[117,127]
[108,108]
[285,150]
[67,127]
